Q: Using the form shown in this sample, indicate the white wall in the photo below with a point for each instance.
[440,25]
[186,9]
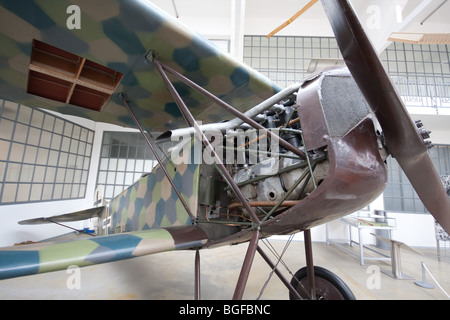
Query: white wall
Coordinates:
[11,232]
[414,229]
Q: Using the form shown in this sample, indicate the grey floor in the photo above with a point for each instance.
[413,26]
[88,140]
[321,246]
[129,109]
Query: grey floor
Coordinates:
[170,276]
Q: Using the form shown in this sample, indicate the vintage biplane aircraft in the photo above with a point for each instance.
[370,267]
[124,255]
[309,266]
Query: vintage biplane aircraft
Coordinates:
[130,64]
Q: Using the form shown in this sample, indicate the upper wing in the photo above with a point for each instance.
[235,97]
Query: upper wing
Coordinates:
[118,35]
[51,256]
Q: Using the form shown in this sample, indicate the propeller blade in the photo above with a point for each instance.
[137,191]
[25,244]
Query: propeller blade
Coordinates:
[295,16]
[402,137]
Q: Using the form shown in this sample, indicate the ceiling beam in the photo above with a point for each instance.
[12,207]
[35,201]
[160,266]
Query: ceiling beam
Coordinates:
[237,28]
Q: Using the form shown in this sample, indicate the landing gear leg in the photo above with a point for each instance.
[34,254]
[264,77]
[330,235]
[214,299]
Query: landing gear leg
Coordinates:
[309,263]
[197,276]
[245,270]
[316,283]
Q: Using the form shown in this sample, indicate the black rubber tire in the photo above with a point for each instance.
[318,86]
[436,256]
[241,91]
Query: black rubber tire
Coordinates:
[328,285]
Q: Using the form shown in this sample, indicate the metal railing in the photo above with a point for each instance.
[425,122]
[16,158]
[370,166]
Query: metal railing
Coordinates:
[423,90]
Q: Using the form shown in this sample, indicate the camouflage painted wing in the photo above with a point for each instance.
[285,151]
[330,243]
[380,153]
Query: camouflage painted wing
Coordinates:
[118,34]
[45,257]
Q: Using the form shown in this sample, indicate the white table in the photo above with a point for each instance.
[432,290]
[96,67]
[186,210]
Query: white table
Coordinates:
[363,222]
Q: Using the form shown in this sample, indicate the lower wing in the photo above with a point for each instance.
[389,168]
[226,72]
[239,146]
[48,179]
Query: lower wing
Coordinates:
[31,259]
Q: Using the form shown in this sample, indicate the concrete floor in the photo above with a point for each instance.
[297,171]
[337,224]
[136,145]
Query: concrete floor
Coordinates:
[170,276]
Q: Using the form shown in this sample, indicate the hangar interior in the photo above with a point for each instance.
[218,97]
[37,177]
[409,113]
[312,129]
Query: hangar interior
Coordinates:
[52,163]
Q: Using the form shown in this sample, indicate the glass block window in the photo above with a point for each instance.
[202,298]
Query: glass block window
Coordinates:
[125,157]
[421,73]
[42,157]
[399,195]
[286,60]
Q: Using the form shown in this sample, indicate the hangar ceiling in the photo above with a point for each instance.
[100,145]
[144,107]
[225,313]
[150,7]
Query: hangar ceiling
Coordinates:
[430,16]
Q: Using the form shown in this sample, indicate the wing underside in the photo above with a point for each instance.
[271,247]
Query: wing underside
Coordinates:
[118,35]
[31,259]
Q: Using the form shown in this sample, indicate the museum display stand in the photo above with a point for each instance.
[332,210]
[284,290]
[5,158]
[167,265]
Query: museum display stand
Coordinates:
[363,221]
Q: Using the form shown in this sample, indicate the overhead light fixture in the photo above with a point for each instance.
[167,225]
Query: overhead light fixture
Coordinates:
[68,78]
[420,38]
[294,17]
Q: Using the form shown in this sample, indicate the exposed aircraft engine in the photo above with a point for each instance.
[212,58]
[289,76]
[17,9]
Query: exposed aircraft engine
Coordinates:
[274,179]
[267,174]
[278,176]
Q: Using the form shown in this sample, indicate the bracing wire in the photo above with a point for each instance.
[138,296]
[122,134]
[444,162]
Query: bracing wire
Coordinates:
[279,260]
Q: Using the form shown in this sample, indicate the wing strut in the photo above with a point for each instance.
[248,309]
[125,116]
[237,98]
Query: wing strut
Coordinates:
[161,164]
[191,122]
[253,245]
[232,110]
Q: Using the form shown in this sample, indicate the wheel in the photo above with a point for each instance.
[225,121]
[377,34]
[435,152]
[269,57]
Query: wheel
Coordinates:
[328,285]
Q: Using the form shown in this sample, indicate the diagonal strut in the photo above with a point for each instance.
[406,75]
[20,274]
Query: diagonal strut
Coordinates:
[246,266]
[191,122]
